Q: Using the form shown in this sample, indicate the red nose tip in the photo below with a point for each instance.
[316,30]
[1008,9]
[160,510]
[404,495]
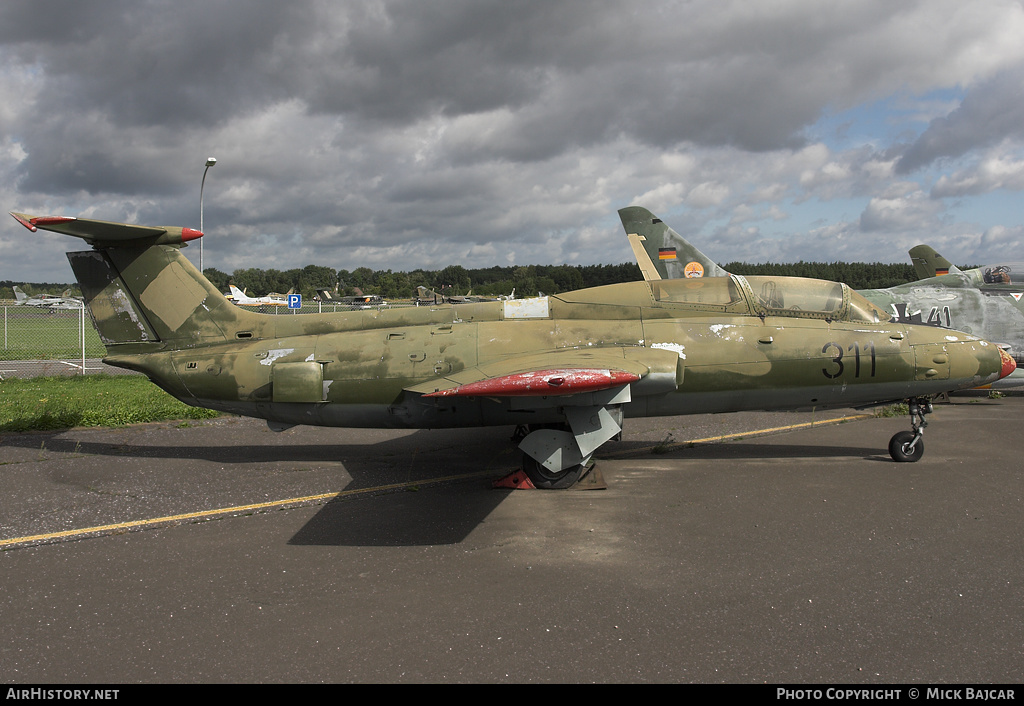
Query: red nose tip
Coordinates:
[1009,364]
[188,234]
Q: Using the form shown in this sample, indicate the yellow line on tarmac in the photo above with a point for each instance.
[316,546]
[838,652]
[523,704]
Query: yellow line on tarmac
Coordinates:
[740,435]
[206,514]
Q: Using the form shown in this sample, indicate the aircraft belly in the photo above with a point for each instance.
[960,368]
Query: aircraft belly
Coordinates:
[407,414]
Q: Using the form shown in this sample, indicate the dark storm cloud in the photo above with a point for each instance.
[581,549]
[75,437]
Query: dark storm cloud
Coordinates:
[148,63]
[988,114]
[578,69]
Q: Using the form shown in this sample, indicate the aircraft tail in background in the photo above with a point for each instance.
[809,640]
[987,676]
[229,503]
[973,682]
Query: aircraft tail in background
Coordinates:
[661,252]
[928,263]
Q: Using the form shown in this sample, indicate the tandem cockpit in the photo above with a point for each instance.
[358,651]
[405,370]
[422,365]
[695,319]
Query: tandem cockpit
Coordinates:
[765,295]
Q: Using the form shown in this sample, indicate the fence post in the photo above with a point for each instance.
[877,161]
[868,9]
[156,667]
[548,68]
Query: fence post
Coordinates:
[81,334]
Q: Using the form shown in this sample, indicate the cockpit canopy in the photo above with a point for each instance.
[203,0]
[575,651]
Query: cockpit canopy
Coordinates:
[1003,273]
[764,295]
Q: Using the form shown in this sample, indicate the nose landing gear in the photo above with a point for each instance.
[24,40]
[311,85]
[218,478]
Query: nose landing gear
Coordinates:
[907,446]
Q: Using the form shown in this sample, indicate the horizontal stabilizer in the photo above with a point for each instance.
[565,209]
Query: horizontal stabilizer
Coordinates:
[109,234]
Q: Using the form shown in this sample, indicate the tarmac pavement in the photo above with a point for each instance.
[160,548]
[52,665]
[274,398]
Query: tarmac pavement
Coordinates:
[335,555]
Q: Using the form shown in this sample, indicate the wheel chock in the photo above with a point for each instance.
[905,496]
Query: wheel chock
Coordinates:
[593,479]
[516,480]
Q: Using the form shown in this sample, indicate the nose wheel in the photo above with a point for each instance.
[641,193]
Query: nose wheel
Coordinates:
[907,446]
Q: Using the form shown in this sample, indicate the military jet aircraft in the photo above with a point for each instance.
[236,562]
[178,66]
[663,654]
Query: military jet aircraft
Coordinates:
[47,301]
[429,296]
[973,302]
[1002,278]
[567,368]
[1005,279]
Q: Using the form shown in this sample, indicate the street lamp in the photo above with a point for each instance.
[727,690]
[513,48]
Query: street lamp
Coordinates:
[209,163]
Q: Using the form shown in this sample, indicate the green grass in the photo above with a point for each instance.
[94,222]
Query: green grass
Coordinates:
[900,409]
[31,333]
[90,401]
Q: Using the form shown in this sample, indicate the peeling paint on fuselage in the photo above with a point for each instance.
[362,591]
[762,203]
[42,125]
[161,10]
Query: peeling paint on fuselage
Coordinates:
[276,354]
[671,347]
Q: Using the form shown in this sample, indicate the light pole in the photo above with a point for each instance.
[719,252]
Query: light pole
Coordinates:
[209,163]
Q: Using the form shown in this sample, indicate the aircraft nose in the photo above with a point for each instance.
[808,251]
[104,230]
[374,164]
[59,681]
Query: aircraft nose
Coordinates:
[1009,364]
[974,362]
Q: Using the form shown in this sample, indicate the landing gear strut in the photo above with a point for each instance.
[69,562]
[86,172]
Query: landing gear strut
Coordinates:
[907,446]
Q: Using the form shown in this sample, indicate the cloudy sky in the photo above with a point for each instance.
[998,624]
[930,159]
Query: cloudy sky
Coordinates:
[406,133]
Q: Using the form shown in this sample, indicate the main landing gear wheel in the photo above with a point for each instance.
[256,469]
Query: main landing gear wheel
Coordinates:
[902,451]
[545,479]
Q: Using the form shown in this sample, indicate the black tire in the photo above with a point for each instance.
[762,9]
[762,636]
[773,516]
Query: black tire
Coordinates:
[898,447]
[544,479]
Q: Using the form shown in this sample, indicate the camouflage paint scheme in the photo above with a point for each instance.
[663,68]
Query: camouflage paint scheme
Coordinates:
[960,301]
[47,301]
[570,366]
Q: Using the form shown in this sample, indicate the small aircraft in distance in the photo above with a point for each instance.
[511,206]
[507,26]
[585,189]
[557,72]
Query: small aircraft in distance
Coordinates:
[565,370]
[429,296]
[985,302]
[242,299]
[47,301]
[352,301]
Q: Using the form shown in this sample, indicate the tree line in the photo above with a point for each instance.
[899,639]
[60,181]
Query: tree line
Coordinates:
[526,281]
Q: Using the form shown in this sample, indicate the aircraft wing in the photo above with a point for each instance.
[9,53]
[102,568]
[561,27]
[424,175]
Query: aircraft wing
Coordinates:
[590,385]
[561,374]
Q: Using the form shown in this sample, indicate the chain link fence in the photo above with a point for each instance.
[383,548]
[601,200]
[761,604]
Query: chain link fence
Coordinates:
[45,341]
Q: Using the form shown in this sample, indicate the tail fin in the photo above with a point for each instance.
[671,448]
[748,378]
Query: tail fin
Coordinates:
[660,251]
[928,263]
[19,295]
[141,291]
[425,294]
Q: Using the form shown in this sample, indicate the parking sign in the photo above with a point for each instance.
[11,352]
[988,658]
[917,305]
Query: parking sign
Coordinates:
[294,301]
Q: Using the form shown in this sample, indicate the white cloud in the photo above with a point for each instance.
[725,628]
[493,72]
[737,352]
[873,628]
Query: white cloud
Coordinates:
[997,171]
[899,213]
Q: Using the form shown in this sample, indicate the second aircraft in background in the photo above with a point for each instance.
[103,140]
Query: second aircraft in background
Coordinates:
[985,302]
